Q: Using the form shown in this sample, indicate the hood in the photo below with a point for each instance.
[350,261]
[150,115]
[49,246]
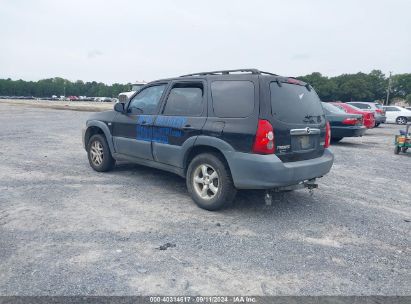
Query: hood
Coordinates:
[102,116]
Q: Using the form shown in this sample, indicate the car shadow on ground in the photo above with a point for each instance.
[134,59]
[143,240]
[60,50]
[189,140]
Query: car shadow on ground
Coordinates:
[354,145]
[246,200]
[347,144]
[281,202]
[406,154]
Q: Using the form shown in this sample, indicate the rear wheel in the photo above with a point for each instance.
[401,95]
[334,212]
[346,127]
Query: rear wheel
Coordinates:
[401,120]
[209,182]
[99,155]
[397,150]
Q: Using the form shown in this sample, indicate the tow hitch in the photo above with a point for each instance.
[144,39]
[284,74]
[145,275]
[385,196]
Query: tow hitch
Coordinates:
[309,184]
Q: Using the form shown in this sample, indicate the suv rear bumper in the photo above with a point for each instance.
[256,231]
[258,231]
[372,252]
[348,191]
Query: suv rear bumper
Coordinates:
[253,171]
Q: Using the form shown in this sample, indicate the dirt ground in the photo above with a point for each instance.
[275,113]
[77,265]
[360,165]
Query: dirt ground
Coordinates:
[61,105]
[68,230]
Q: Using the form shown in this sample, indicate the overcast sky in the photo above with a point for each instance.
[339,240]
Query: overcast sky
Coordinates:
[124,41]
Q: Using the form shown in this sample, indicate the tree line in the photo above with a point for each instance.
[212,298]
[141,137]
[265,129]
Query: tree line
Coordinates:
[60,87]
[360,86]
[347,87]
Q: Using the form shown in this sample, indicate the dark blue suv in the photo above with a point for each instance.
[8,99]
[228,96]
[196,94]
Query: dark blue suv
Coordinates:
[221,130]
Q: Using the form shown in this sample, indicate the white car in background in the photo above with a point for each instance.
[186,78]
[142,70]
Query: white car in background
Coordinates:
[398,115]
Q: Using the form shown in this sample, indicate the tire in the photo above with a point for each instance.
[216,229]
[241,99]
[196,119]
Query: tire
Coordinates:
[376,125]
[100,162]
[401,120]
[397,150]
[404,149]
[209,182]
[336,139]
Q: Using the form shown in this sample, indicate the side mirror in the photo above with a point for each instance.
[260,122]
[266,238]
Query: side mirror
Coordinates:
[119,107]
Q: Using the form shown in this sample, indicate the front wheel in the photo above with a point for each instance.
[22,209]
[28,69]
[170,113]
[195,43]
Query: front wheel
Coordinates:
[209,182]
[401,120]
[99,155]
[397,150]
[376,125]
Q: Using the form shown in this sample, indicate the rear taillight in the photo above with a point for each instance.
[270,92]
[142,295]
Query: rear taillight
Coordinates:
[379,111]
[327,135]
[350,121]
[264,138]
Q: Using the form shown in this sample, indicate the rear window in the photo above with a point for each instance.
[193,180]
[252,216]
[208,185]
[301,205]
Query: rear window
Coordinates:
[295,104]
[391,109]
[233,98]
[331,109]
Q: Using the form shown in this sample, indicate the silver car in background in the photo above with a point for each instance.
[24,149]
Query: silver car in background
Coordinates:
[375,107]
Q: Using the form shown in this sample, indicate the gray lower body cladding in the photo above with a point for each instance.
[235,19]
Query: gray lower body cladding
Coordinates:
[252,171]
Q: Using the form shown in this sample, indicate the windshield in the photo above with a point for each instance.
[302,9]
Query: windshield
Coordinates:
[331,109]
[293,103]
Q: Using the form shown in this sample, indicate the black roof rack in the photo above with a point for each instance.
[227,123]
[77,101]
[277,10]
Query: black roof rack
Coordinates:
[227,72]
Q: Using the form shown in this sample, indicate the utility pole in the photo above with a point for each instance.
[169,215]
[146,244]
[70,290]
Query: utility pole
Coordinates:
[388,90]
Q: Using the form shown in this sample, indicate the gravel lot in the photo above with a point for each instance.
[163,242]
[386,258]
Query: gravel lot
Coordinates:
[67,230]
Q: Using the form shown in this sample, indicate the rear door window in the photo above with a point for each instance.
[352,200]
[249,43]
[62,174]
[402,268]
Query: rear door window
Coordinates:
[185,99]
[234,98]
[293,103]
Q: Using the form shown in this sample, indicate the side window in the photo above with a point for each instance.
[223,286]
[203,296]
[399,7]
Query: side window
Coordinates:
[185,99]
[232,98]
[361,105]
[146,101]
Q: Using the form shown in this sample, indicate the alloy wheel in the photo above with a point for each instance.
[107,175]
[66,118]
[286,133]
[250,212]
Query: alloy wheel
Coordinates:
[401,120]
[206,181]
[96,152]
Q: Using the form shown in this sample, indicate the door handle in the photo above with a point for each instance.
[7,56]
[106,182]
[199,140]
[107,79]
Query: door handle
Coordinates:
[188,127]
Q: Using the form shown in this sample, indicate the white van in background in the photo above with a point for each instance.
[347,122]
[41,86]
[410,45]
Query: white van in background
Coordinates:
[124,96]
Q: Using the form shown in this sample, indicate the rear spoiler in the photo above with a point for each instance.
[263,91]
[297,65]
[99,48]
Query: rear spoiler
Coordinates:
[292,80]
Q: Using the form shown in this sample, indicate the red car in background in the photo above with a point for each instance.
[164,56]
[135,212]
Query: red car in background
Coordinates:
[369,118]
